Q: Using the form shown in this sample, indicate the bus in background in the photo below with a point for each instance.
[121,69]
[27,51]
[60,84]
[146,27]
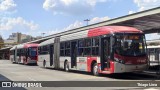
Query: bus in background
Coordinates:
[154,55]
[25,54]
[13,54]
[107,49]
[30,52]
[46,53]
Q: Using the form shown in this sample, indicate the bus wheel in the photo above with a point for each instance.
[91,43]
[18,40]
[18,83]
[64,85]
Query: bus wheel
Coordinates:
[44,64]
[95,69]
[66,66]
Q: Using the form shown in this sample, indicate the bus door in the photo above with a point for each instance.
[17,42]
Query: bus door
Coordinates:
[14,55]
[27,54]
[105,52]
[73,53]
[51,54]
[19,53]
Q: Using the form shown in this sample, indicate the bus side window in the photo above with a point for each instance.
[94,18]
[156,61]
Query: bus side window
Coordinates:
[39,50]
[95,46]
[62,49]
[53,48]
[81,47]
[87,47]
[67,48]
[156,54]
[26,52]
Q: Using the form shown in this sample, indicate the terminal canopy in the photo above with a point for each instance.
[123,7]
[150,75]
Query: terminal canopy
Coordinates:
[148,21]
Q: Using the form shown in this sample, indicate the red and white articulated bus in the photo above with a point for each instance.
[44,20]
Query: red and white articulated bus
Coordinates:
[107,49]
[24,53]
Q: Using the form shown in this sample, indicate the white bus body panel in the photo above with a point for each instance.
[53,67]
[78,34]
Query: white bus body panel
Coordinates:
[41,59]
[12,58]
[62,61]
[82,63]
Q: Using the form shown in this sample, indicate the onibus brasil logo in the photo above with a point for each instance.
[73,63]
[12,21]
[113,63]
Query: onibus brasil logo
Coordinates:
[21,84]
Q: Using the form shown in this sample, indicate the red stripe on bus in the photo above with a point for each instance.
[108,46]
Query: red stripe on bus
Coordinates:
[111,67]
[89,62]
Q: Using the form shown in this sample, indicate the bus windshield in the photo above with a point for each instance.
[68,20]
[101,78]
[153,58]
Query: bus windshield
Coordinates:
[130,45]
[33,51]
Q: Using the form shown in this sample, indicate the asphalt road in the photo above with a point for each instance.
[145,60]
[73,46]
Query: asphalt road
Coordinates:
[18,72]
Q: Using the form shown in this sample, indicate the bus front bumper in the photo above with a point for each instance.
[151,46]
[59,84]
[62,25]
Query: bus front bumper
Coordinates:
[32,61]
[120,68]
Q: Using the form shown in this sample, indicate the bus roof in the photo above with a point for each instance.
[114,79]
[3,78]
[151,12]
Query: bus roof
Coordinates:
[20,46]
[99,31]
[158,46]
[14,47]
[111,29]
[47,42]
[30,45]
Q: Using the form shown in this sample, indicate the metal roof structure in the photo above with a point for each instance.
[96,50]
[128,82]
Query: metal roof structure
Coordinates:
[49,41]
[148,21]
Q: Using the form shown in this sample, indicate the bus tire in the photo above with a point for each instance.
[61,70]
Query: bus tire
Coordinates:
[66,66]
[95,69]
[44,64]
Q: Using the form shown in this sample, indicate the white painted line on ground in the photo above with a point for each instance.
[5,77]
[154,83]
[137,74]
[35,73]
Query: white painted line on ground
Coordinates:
[151,89]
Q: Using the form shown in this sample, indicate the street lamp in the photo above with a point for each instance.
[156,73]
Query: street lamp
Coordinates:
[43,34]
[87,20]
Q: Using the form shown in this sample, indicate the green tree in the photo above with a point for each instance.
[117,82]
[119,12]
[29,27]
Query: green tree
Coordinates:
[1,42]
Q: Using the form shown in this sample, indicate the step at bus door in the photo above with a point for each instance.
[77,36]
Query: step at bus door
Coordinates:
[73,53]
[51,54]
[105,52]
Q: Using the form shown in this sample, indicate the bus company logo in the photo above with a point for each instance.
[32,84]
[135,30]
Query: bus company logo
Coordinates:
[6,84]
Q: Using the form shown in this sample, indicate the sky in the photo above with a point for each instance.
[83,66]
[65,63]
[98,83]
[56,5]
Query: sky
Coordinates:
[34,17]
